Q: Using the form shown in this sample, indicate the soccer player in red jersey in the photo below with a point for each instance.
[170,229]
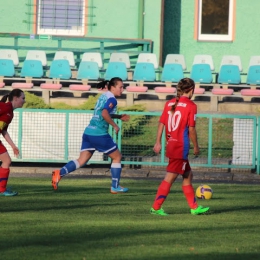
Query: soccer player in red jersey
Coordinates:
[16,99]
[179,119]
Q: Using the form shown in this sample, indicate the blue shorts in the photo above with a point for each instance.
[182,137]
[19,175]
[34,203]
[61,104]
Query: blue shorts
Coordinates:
[101,143]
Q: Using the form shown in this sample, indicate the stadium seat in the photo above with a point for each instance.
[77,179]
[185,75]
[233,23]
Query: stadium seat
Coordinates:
[172,72]
[201,73]
[144,72]
[253,75]
[204,59]
[7,68]
[37,55]
[65,55]
[22,85]
[116,69]
[176,58]
[9,54]
[199,90]
[120,57]
[250,92]
[232,60]
[78,87]
[229,74]
[87,70]
[51,86]
[60,69]
[254,60]
[93,56]
[164,90]
[32,68]
[136,88]
[222,91]
[148,58]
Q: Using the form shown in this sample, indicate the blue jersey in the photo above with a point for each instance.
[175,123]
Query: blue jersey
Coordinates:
[97,125]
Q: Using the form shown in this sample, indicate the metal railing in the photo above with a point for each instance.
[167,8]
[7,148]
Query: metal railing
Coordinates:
[54,136]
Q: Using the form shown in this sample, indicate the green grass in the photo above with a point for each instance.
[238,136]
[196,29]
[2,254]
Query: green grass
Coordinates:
[82,220]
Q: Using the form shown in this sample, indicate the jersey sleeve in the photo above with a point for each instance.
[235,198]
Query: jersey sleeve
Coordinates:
[192,116]
[110,105]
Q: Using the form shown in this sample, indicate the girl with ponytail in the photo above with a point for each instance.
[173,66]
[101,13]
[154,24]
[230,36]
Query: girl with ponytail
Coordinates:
[15,99]
[178,118]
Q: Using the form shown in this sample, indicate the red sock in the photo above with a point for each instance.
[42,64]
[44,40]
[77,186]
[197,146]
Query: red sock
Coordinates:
[189,193]
[4,173]
[162,193]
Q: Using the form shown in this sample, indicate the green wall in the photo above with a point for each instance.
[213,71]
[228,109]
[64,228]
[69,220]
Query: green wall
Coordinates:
[120,19]
[245,44]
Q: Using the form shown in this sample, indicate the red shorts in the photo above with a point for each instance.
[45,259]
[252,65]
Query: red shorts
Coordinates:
[179,166]
[2,148]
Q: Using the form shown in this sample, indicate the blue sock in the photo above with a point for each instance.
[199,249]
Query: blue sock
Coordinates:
[69,167]
[116,173]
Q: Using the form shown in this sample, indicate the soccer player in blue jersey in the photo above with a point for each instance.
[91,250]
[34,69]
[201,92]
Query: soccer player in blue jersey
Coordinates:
[96,137]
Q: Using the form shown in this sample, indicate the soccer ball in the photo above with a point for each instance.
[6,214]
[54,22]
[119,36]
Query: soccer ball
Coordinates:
[204,192]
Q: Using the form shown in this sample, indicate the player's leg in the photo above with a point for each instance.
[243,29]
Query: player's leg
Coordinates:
[116,170]
[85,154]
[164,190]
[189,193]
[4,173]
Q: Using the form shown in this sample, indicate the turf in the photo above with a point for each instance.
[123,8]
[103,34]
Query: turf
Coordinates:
[82,220]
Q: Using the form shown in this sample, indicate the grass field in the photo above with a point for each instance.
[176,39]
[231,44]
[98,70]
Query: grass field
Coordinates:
[83,221]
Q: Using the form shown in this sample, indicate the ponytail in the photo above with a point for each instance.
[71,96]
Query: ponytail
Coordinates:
[4,98]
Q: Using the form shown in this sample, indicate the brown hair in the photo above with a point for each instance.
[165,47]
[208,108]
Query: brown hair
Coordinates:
[14,93]
[185,85]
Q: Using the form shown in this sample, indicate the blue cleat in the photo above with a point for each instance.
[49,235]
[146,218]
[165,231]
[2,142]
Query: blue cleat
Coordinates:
[119,189]
[8,193]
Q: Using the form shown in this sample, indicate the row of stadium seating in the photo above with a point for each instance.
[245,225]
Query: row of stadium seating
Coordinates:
[63,65]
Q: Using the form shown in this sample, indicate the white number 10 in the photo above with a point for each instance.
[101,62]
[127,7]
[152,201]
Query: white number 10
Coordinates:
[174,121]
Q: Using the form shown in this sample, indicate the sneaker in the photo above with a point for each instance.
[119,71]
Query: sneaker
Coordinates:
[199,210]
[119,189]
[158,212]
[8,193]
[55,179]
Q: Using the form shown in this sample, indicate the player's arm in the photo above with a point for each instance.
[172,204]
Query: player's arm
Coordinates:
[105,114]
[194,140]
[157,147]
[10,142]
[123,117]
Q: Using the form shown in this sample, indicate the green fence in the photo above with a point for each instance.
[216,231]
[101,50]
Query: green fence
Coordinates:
[54,136]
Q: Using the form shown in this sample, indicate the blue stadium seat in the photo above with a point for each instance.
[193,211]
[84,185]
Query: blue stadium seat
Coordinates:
[201,73]
[60,69]
[172,72]
[116,69]
[229,74]
[88,70]
[32,68]
[144,72]
[7,68]
[253,75]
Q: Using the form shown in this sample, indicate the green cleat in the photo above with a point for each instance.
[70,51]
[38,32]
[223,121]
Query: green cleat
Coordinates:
[199,210]
[158,212]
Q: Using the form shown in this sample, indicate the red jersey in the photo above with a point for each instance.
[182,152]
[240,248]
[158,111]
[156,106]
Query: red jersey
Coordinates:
[178,127]
[165,117]
[6,115]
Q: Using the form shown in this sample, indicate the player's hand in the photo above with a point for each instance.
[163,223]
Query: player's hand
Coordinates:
[16,151]
[125,117]
[196,151]
[116,128]
[157,147]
